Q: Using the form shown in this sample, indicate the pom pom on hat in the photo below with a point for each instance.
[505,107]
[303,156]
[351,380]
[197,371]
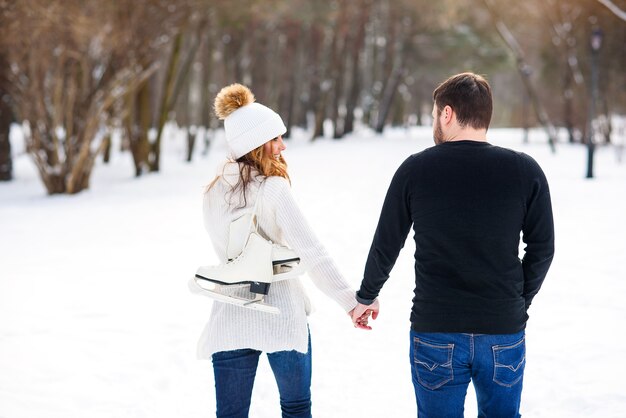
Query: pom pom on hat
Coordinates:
[231,98]
[247,124]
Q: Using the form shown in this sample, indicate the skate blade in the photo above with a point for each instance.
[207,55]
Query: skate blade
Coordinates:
[210,284]
[214,282]
[255,305]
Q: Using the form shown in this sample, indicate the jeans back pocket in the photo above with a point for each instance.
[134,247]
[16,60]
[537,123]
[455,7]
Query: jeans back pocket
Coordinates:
[509,362]
[432,363]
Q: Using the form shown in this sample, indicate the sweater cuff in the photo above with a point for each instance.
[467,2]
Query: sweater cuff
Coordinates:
[346,300]
[364,301]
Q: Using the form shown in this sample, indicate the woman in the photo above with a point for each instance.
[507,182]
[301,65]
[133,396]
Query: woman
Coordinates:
[235,337]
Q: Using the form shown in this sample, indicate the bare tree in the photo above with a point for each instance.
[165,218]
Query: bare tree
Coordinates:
[70,70]
[523,69]
[397,72]
[562,18]
[150,106]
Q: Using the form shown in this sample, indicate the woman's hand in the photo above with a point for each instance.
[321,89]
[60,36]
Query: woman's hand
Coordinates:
[361,314]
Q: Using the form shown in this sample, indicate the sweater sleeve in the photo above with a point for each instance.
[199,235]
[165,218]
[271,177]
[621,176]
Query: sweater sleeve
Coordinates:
[393,227]
[537,232]
[300,237]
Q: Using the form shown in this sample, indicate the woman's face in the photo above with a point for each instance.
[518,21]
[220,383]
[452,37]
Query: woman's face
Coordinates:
[275,146]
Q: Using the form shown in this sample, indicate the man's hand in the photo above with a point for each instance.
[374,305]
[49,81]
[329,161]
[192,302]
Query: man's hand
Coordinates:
[361,314]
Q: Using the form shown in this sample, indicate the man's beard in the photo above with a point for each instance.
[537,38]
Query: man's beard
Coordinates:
[438,133]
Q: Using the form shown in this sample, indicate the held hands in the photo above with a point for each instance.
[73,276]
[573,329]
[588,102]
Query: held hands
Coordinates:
[361,313]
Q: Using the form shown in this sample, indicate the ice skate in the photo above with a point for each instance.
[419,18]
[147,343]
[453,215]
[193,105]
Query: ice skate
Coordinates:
[285,261]
[259,265]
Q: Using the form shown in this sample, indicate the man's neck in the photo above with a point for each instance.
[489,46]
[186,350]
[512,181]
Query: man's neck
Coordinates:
[468,134]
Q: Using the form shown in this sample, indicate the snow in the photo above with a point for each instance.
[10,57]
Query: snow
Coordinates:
[96,320]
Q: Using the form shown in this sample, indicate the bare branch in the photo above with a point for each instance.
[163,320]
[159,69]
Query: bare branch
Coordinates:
[613,8]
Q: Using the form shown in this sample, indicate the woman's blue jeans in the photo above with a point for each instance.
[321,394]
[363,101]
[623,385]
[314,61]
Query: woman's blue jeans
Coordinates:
[234,377]
[444,364]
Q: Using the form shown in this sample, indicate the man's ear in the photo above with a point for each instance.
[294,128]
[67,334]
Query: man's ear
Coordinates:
[447,112]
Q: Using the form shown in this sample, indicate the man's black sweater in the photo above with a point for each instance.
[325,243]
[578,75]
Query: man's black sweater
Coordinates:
[468,201]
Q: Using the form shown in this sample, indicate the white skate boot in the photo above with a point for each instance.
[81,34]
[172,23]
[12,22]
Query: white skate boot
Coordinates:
[254,267]
[285,260]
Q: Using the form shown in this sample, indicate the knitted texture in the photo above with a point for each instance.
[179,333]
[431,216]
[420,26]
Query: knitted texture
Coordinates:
[250,127]
[280,220]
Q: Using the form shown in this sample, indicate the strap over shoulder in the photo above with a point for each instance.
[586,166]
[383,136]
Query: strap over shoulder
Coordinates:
[241,228]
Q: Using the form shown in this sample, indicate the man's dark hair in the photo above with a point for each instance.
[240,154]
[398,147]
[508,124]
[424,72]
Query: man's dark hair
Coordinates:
[469,95]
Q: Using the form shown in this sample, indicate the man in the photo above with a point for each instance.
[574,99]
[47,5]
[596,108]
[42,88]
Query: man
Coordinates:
[468,201]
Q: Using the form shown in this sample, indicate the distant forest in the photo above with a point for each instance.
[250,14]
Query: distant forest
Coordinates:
[72,70]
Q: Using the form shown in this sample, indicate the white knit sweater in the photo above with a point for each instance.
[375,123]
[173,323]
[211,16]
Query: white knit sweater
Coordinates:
[232,327]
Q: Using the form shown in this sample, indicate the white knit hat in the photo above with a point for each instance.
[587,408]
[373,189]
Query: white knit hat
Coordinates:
[248,125]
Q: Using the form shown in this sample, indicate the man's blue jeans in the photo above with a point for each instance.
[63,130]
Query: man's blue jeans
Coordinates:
[234,377]
[444,364]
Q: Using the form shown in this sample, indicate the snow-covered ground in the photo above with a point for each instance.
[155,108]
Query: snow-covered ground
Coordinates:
[96,320]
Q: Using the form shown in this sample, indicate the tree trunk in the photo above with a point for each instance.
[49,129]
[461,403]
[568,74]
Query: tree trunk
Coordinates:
[301,96]
[106,156]
[137,124]
[418,107]
[398,113]
[191,142]
[355,79]
[320,115]
[175,79]
[290,73]
[337,70]
[6,162]
[398,70]
[525,117]
[6,118]
[206,90]
[607,126]
[621,14]
[166,100]
[562,23]
[316,97]
[388,95]
[568,107]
